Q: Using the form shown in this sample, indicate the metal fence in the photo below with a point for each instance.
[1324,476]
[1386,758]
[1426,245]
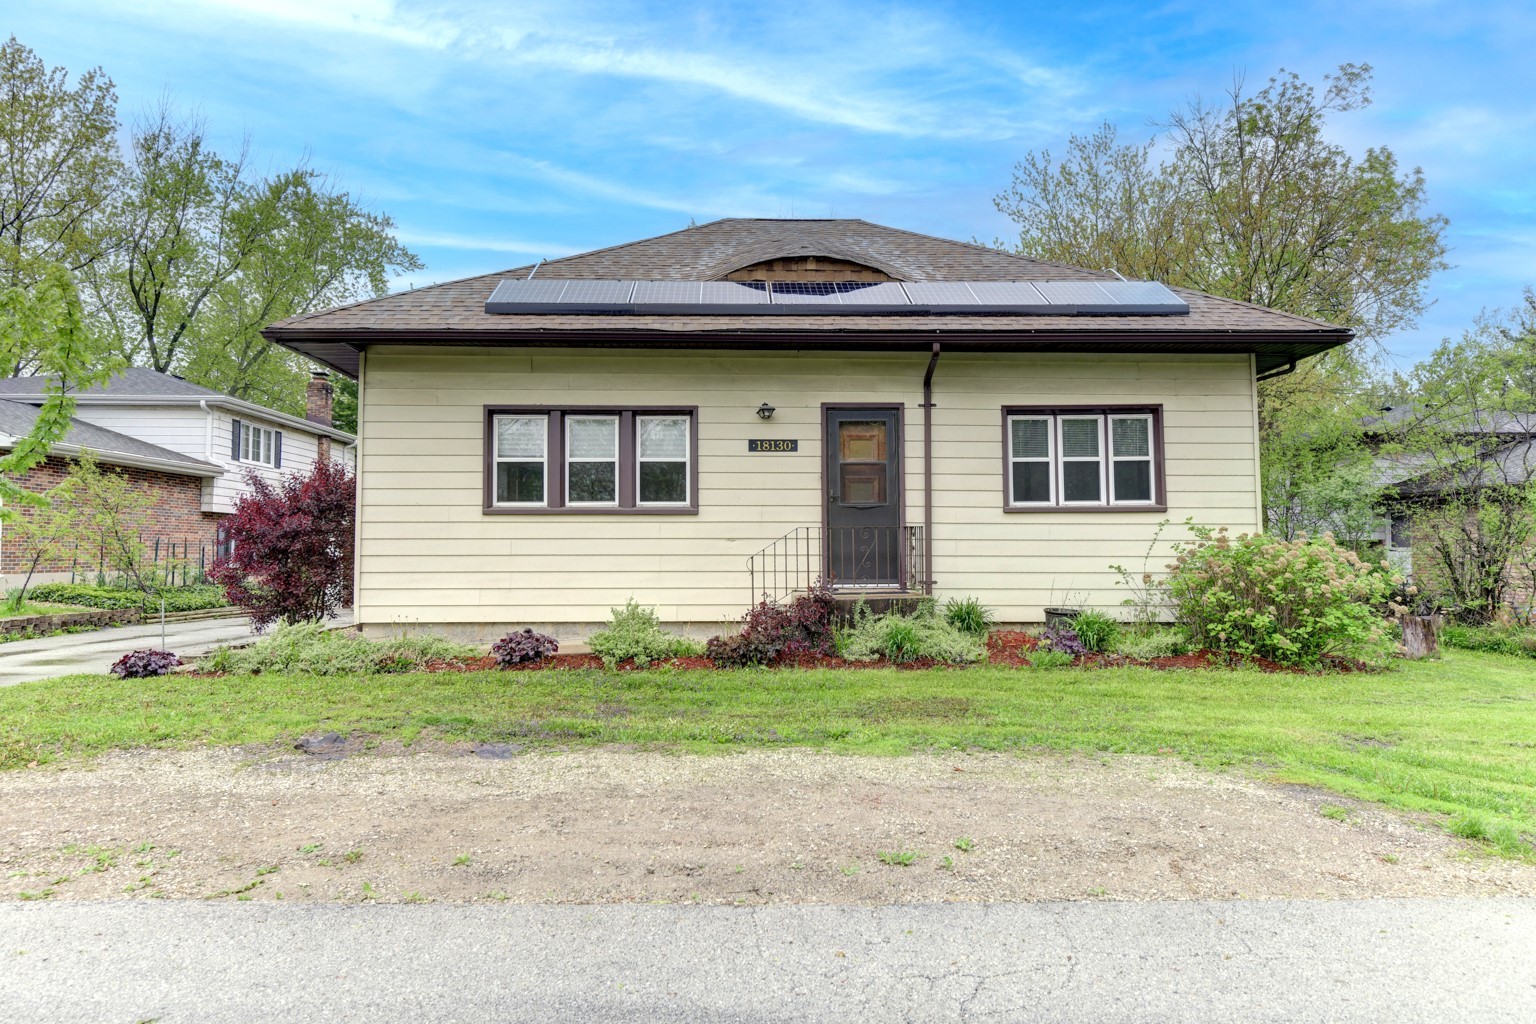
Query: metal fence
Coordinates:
[851,557]
[168,561]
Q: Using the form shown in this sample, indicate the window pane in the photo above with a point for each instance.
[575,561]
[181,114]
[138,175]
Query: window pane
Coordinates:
[1080,481]
[1031,481]
[863,484]
[593,482]
[1079,438]
[520,437]
[664,481]
[664,438]
[1133,481]
[1031,439]
[862,441]
[1130,438]
[520,481]
[594,437]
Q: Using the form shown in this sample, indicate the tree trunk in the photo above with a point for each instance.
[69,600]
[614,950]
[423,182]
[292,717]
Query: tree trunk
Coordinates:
[1419,632]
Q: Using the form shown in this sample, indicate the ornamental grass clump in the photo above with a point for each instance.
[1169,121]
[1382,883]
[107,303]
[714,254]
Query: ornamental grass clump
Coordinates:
[1293,602]
[904,638]
[523,646]
[1096,631]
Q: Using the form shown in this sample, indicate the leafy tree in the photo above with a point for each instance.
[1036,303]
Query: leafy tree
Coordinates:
[344,405]
[41,536]
[292,547]
[114,512]
[59,152]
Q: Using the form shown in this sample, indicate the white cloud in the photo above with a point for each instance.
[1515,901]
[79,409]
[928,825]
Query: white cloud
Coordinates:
[449,240]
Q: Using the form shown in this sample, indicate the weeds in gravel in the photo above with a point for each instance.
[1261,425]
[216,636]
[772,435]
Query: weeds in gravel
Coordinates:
[1333,812]
[965,844]
[898,858]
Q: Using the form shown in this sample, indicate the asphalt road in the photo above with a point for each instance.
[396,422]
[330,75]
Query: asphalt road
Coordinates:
[25,661]
[1403,961]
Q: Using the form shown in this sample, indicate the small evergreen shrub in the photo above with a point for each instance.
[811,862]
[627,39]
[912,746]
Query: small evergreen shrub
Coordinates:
[144,664]
[1096,631]
[1292,602]
[771,629]
[308,648]
[968,615]
[523,646]
[635,632]
[1050,659]
[1154,643]
[900,638]
[1063,640]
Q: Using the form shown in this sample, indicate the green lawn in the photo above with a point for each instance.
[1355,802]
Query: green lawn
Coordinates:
[1455,737]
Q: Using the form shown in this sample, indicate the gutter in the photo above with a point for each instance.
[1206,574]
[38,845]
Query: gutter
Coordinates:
[125,459]
[933,362]
[1281,371]
[225,402]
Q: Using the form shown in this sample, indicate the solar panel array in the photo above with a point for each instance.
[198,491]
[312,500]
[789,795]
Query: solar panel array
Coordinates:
[1056,298]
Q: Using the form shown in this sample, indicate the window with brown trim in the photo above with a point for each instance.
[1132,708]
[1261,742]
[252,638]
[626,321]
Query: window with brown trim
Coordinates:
[589,459]
[1079,457]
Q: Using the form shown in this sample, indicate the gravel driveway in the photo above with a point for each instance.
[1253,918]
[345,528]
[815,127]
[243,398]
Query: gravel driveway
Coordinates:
[786,826]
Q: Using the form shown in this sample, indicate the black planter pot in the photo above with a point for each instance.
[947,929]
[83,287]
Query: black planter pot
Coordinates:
[1055,617]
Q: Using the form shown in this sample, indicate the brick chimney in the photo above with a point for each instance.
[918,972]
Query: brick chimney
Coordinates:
[317,405]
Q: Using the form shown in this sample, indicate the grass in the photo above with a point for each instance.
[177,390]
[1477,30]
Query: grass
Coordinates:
[1455,738]
[9,611]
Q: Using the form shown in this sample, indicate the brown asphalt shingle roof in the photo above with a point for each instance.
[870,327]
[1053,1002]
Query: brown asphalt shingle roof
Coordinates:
[709,251]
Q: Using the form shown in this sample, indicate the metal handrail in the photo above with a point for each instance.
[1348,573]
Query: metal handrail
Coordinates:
[796,560]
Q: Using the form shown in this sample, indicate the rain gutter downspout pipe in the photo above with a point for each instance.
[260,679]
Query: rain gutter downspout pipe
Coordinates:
[933,362]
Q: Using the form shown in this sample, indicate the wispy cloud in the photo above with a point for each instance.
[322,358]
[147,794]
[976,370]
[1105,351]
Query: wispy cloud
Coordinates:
[449,240]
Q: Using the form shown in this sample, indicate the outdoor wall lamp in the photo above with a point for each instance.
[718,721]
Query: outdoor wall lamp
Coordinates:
[765,411]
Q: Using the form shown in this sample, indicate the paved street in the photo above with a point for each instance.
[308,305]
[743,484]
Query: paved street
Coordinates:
[1458,960]
[23,661]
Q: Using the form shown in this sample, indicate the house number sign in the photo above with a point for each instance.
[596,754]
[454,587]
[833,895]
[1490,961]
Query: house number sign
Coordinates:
[772,445]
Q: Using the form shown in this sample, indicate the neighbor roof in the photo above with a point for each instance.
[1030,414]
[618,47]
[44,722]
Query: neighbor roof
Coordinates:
[454,312]
[17,418]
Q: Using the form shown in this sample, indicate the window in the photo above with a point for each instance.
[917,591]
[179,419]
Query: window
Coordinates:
[583,459]
[1082,458]
[256,444]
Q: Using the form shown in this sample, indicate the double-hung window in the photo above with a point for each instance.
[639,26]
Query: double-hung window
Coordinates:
[1082,458]
[587,459]
[252,443]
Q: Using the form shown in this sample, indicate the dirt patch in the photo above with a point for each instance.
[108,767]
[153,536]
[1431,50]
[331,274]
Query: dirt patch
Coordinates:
[612,825]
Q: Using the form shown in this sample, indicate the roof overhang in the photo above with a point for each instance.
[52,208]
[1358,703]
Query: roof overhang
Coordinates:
[1272,350]
[220,401]
[199,469]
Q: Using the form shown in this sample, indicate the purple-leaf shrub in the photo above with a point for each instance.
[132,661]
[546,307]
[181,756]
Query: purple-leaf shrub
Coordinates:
[1063,639]
[144,664]
[771,629]
[524,645]
[292,547]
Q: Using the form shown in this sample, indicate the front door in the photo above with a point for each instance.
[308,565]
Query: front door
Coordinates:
[864,501]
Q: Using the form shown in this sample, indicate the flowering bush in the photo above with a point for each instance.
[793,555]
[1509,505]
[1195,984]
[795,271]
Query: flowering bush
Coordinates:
[525,645]
[1293,602]
[144,664]
[771,629]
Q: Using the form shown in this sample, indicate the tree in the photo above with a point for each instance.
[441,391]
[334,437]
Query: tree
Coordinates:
[44,327]
[114,512]
[1253,203]
[59,151]
[291,547]
[40,536]
[344,408]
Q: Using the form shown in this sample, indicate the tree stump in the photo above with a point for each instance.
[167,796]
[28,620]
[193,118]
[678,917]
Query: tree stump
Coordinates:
[1419,633]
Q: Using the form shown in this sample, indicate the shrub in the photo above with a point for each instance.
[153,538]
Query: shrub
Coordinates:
[1290,601]
[1491,639]
[1155,643]
[292,546]
[177,599]
[901,638]
[309,648]
[771,629]
[1063,640]
[635,632]
[144,664]
[1096,631]
[1050,659]
[968,615]
[524,645]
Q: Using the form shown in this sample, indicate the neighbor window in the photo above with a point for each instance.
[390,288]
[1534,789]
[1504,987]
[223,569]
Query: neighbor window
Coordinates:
[590,460]
[1082,458]
[257,444]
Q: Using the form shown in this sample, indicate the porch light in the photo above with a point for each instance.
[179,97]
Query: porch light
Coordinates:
[765,411]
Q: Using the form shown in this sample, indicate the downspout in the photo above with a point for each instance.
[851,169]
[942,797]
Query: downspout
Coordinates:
[202,404]
[933,362]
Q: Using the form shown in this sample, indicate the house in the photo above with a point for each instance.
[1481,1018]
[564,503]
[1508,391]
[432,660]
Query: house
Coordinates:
[192,446]
[737,408]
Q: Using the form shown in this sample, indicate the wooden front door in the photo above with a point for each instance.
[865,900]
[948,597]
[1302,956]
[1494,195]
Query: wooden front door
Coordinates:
[864,501]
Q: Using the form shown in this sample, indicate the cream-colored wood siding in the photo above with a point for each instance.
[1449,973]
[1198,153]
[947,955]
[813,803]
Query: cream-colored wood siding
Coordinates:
[428,554]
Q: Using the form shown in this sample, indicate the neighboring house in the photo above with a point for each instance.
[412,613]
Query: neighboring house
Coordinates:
[695,419]
[192,446]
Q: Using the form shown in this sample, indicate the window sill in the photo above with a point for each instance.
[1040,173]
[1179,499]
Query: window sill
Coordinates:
[588,510]
[1084,508]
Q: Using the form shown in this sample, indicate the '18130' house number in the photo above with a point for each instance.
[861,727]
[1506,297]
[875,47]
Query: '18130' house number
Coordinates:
[772,445]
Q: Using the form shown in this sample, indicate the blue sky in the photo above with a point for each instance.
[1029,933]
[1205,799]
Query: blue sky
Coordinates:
[498,133]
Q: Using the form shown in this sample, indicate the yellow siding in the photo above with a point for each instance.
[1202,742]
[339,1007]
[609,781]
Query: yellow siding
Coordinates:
[427,554]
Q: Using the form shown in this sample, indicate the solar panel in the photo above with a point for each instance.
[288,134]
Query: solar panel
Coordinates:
[942,296]
[872,293]
[805,293]
[668,293]
[597,293]
[1081,294]
[735,293]
[1143,297]
[1010,296]
[516,296]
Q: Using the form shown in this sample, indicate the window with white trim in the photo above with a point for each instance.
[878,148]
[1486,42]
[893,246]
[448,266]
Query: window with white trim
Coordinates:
[585,459]
[1089,458]
[258,444]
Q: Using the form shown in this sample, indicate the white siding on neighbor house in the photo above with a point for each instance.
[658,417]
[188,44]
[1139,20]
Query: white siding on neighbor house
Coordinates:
[177,427]
[300,449]
[428,554]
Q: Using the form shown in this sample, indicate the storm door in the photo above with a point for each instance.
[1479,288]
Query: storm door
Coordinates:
[864,545]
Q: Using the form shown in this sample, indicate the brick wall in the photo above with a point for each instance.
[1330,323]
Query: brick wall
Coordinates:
[177,515]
